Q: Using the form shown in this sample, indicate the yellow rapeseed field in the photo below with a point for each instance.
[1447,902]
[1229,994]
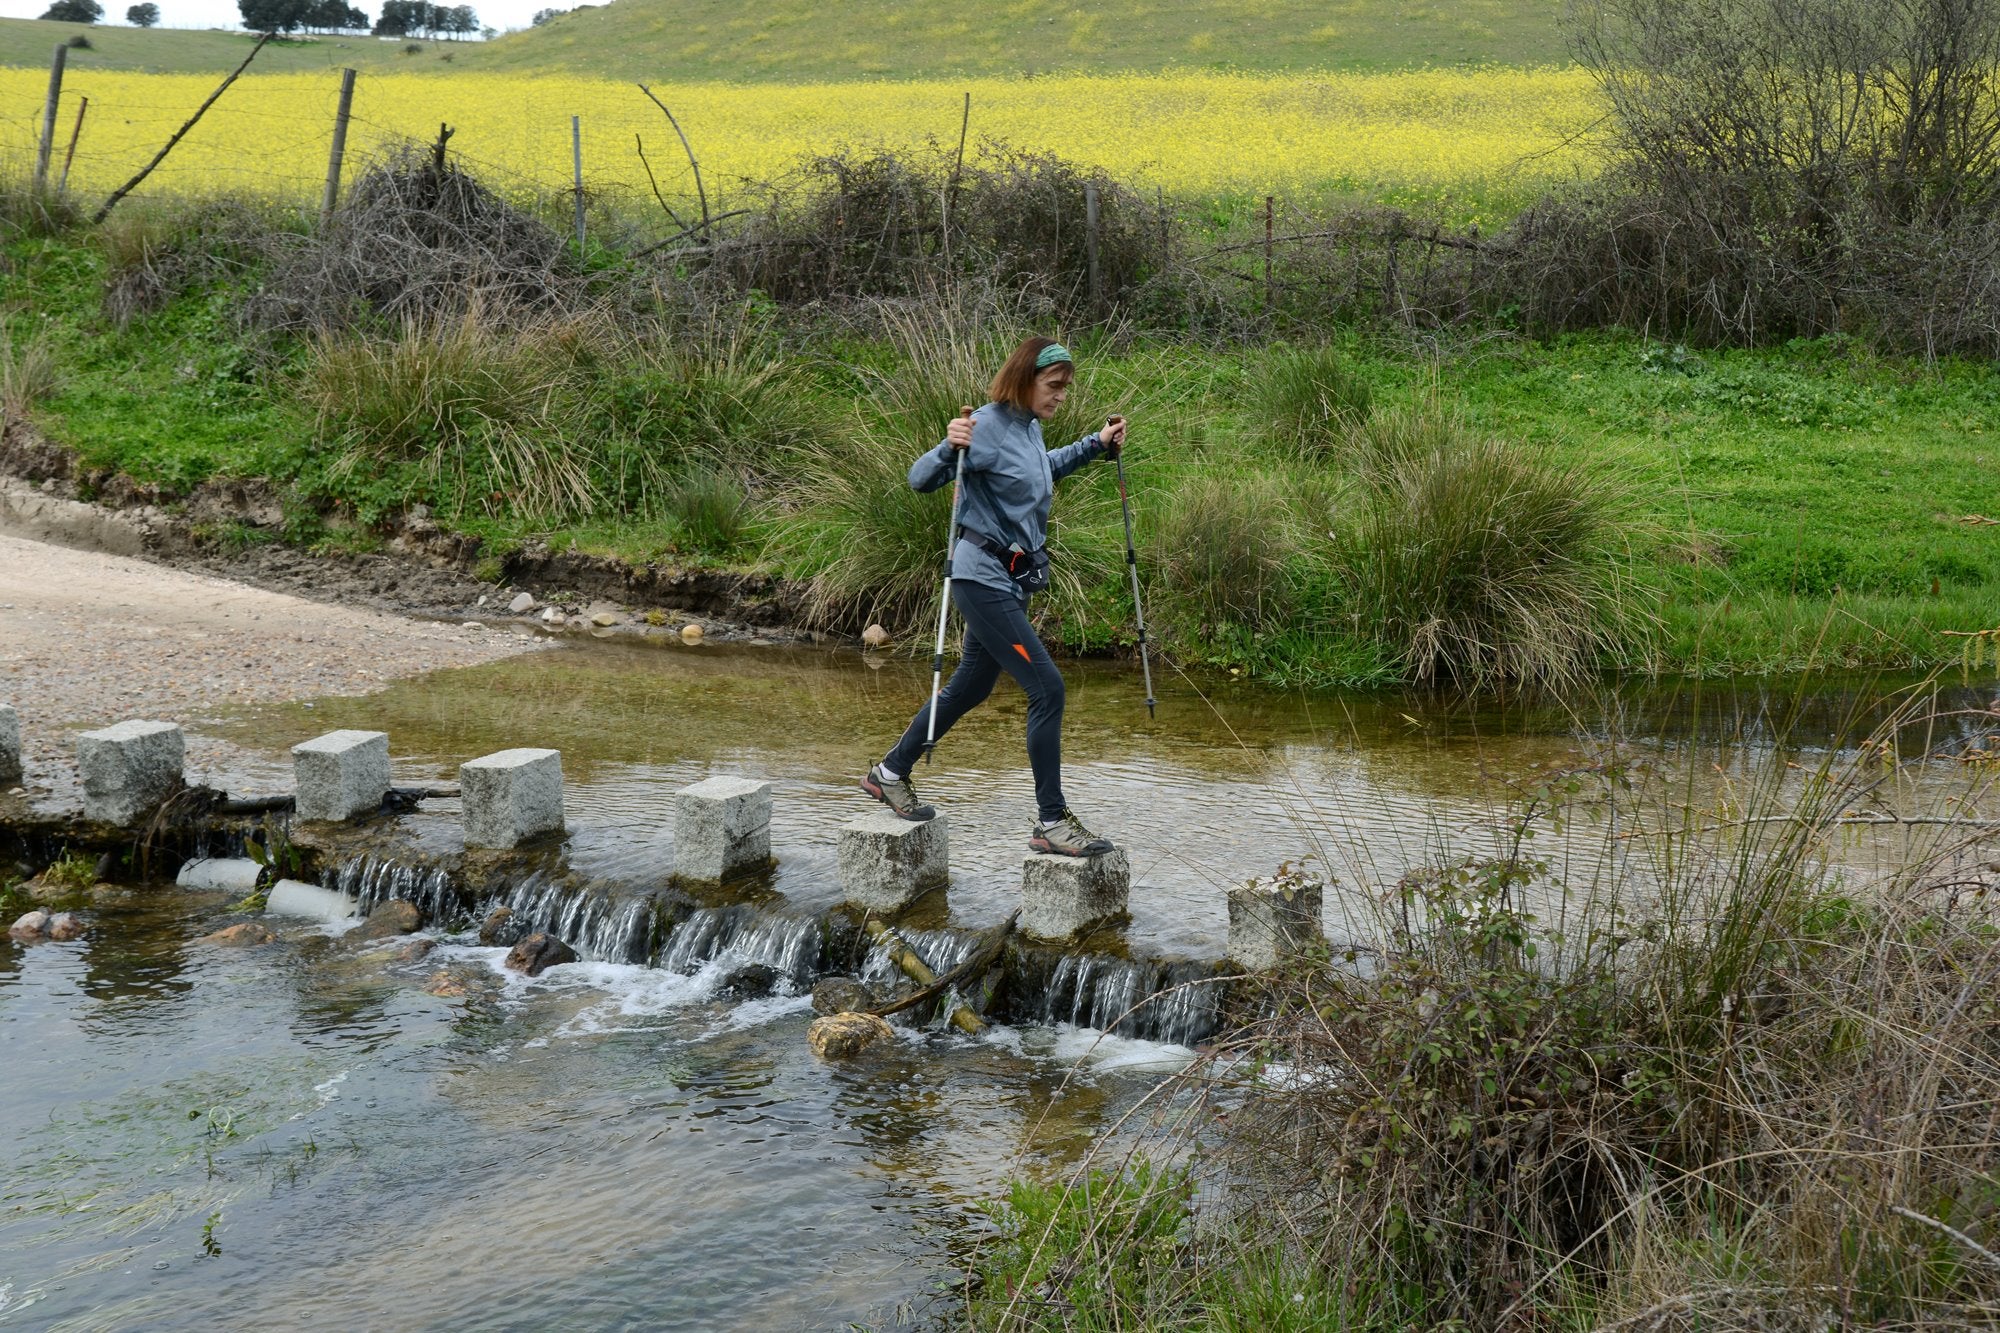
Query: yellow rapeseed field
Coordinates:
[1472,137]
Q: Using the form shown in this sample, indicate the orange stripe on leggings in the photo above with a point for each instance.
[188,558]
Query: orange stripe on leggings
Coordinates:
[1023,652]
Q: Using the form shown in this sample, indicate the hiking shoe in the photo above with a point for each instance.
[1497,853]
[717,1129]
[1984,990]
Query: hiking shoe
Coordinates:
[899,795]
[1067,837]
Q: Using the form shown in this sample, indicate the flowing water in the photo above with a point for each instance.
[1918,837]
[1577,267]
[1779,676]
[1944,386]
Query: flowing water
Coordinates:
[303,1136]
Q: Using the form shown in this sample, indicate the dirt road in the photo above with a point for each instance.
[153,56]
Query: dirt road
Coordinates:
[87,639]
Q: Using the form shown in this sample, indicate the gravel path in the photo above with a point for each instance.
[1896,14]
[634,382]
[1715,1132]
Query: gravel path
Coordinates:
[89,639]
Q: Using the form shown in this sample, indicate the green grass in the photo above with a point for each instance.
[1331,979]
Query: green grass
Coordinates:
[169,51]
[1797,507]
[712,40]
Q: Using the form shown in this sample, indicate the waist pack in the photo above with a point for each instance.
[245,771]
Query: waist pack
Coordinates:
[1028,569]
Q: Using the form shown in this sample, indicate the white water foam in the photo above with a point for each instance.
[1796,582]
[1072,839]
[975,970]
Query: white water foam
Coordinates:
[327,1092]
[1068,1044]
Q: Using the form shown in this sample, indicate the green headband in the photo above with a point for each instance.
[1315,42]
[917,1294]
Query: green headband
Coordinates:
[1053,354]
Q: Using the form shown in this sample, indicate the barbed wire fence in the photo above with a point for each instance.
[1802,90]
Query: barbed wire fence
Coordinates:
[629,180]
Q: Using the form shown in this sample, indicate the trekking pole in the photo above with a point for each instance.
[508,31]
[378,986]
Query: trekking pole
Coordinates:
[1132,564]
[944,598]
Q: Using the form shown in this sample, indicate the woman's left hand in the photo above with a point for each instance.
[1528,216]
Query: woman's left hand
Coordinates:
[1112,437]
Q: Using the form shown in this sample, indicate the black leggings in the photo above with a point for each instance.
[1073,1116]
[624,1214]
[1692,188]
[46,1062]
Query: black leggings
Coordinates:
[997,635]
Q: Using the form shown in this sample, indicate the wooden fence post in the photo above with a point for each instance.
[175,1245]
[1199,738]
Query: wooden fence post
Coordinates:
[46,148]
[339,151]
[1270,287]
[576,160]
[62,181]
[1090,228]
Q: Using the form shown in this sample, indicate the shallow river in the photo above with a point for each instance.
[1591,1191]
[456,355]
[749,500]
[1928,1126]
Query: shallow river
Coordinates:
[301,1136]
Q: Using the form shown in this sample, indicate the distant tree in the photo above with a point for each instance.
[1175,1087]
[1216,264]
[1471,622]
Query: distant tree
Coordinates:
[143,16]
[544,15]
[75,11]
[274,15]
[334,16]
[403,18]
[459,20]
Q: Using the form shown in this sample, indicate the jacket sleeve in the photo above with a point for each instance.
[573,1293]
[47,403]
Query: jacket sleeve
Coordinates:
[1070,457]
[932,469]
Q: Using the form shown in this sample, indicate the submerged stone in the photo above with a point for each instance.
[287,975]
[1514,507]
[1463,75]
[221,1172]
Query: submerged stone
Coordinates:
[67,926]
[842,995]
[445,985]
[392,918]
[416,950]
[839,1036]
[752,981]
[537,953]
[242,936]
[500,929]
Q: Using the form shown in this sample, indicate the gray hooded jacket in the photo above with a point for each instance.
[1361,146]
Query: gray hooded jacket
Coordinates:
[1009,479]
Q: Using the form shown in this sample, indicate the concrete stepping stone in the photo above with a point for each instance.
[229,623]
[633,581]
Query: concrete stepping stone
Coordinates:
[341,775]
[1064,898]
[722,827]
[511,797]
[129,768]
[888,862]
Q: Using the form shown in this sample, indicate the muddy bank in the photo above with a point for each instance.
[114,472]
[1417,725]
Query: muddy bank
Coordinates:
[233,528]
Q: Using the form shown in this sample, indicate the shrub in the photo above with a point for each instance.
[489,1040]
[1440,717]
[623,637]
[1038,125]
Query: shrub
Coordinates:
[1476,560]
[1709,1091]
[710,508]
[1221,545]
[1308,400]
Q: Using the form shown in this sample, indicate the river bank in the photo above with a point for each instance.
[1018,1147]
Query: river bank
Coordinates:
[1669,511]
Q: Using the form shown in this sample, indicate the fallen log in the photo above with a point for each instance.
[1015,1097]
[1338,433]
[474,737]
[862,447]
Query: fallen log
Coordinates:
[930,984]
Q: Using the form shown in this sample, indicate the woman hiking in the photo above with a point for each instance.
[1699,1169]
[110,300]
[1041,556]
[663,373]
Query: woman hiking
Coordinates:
[1006,481]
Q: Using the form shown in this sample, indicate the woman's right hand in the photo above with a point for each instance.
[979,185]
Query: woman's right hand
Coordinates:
[959,433]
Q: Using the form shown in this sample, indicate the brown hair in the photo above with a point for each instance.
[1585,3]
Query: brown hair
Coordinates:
[1014,384]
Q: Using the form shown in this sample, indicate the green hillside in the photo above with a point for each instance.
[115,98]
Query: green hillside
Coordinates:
[794,41]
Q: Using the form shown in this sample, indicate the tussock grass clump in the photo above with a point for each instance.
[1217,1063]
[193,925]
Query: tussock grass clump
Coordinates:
[28,211]
[29,374]
[1221,545]
[158,248]
[1477,561]
[566,419]
[1309,399]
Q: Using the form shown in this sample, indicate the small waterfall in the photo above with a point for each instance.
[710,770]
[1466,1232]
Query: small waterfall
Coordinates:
[1154,1001]
[371,881]
[789,944]
[942,950]
[595,924]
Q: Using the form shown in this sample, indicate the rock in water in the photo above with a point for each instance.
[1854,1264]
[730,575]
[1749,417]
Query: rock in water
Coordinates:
[242,936]
[66,926]
[690,634]
[838,1036]
[500,929]
[752,981]
[416,950]
[537,953]
[604,619]
[842,995]
[29,926]
[522,603]
[392,918]
[875,636]
[445,986]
